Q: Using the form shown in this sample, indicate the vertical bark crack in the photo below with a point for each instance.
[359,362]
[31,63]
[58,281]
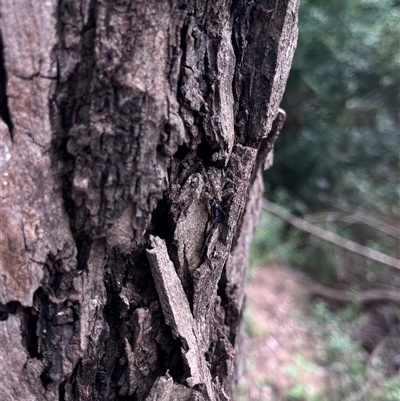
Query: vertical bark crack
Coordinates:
[4,110]
[72,94]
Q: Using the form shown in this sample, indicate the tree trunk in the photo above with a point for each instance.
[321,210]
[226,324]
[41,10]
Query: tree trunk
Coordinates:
[132,137]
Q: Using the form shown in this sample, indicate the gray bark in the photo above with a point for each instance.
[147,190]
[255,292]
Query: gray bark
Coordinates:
[132,138]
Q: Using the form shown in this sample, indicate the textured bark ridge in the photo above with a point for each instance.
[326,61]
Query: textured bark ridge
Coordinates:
[132,138]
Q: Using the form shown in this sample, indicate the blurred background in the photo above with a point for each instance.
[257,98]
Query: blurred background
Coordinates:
[323,321]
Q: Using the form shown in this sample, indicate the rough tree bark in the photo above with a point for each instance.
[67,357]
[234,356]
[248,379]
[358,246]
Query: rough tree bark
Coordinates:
[132,137]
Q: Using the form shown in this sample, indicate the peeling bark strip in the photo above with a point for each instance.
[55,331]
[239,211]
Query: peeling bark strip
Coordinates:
[177,314]
[132,138]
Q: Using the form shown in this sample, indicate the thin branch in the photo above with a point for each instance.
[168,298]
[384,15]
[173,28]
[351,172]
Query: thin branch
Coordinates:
[331,237]
[353,218]
[365,297]
[382,221]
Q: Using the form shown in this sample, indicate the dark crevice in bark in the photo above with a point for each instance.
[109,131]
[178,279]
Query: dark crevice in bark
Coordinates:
[182,152]
[238,46]
[204,151]
[61,392]
[138,272]
[183,34]
[83,245]
[56,318]
[30,338]
[172,361]
[128,271]
[46,378]
[10,308]
[60,153]
[101,383]
[4,110]
[134,269]
[227,295]
[74,95]
[127,398]
[29,320]
[160,225]
[182,44]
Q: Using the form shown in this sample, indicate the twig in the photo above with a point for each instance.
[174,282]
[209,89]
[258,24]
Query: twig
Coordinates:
[367,217]
[368,296]
[331,237]
[353,218]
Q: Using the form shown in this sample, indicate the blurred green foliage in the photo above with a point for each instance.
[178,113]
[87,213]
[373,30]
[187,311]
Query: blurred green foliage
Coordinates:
[341,137]
[337,165]
[274,241]
[350,378]
[339,151]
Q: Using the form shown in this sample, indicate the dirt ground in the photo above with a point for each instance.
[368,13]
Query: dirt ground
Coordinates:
[281,351]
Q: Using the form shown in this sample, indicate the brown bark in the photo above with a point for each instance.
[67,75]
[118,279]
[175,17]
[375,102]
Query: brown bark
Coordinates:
[132,136]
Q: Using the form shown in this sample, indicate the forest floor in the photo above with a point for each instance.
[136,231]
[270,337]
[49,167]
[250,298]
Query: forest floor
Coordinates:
[282,352]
